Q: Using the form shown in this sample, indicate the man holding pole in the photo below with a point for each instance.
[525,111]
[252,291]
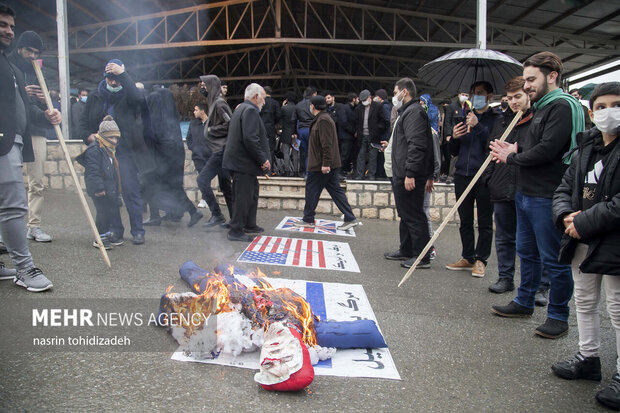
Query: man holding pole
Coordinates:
[15,147]
[542,160]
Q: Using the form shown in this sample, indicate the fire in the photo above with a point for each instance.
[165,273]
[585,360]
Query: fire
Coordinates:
[263,304]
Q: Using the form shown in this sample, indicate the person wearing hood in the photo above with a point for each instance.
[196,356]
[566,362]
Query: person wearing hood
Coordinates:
[431,111]
[117,96]
[29,48]
[216,135]
[586,208]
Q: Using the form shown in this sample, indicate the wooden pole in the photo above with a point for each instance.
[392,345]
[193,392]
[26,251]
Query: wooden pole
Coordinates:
[459,201]
[61,139]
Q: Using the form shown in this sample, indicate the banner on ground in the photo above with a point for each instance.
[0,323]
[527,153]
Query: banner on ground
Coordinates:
[322,226]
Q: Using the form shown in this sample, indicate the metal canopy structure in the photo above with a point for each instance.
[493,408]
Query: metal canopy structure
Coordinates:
[332,44]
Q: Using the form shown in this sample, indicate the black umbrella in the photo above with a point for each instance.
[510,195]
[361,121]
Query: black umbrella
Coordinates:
[455,72]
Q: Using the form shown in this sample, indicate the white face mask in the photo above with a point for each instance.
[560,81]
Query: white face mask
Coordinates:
[462,98]
[366,102]
[607,120]
[397,102]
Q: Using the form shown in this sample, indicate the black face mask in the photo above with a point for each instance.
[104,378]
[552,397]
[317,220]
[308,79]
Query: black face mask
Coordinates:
[504,105]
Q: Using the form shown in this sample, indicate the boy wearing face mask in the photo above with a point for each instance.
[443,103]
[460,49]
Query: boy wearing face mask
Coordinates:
[586,208]
[469,141]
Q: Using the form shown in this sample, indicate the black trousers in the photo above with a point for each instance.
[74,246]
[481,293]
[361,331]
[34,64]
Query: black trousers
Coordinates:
[315,183]
[108,213]
[347,147]
[245,191]
[413,229]
[212,168]
[479,194]
[199,163]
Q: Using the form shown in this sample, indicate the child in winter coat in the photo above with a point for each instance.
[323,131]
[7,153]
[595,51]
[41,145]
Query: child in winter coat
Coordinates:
[102,180]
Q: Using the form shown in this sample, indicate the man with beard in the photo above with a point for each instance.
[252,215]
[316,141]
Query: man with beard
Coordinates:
[15,146]
[118,97]
[346,132]
[247,156]
[216,135]
[558,118]
[29,48]
[370,126]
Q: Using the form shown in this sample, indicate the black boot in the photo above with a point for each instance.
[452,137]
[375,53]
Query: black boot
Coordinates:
[215,219]
[194,218]
[502,285]
[512,310]
[579,367]
[610,395]
[552,328]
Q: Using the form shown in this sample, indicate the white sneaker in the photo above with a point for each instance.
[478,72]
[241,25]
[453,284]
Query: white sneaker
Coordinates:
[348,225]
[38,235]
[202,204]
[33,280]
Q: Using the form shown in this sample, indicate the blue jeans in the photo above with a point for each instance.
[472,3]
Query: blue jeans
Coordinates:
[505,238]
[538,245]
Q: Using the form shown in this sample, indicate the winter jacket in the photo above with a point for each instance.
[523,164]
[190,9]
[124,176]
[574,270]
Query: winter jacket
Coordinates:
[599,225]
[248,147]
[99,171]
[216,130]
[77,109]
[412,143]
[454,113]
[387,113]
[289,119]
[346,122]
[9,75]
[323,143]
[196,141]
[471,148]
[377,121]
[500,177]
[304,116]
[270,114]
[540,156]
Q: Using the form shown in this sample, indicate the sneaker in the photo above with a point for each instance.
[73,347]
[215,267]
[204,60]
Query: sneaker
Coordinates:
[610,395]
[433,253]
[215,219]
[202,204]
[33,280]
[422,264]
[552,328]
[512,310]
[6,273]
[478,270]
[114,240]
[579,367]
[461,265]
[540,299]
[396,255]
[37,234]
[502,285]
[348,225]
[194,218]
[304,224]
[105,240]
[138,239]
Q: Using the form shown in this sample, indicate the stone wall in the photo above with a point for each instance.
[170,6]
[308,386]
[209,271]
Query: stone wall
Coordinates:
[369,199]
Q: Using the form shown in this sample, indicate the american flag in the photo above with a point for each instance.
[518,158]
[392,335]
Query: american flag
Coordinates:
[286,251]
[322,226]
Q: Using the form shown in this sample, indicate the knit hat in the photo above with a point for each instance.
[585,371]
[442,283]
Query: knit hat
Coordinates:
[117,61]
[108,128]
[30,39]
[381,93]
[364,94]
[318,102]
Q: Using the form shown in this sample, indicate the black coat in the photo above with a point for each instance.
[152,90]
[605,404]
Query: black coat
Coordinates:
[289,118]
[377,122]
[77,110]
[196,140]
[412,145]
[248,147]
[8,102]
[454,112]
[304,116]
[99,171]
[30,78]
[270,114]
[599,225]
[346,122]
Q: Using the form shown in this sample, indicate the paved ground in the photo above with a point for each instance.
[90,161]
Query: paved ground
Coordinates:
[452,353]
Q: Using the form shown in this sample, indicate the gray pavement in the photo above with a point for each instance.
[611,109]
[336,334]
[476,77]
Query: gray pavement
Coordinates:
[451,352]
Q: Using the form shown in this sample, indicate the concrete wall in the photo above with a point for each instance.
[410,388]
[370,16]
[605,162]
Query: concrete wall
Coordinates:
[369,199]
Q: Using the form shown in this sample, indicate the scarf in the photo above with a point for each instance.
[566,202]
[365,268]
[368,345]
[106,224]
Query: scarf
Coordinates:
[577,117]
[110,149]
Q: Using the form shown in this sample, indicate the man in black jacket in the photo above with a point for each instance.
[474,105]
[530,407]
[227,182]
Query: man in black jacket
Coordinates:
[304,119]
[247,156]
[346,132]
[455,114]
[15,146]
[117,96]
[288,135]
[271,114]
[197,144]
[412,165]
[216,134]
[557,116]
[370,126]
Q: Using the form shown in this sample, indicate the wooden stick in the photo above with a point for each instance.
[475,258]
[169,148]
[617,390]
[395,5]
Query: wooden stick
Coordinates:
[48,101]
[459,201]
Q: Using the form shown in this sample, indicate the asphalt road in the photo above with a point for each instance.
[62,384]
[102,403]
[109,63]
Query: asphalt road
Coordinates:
[453,355]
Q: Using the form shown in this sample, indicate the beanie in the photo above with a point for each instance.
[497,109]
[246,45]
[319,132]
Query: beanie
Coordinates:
[30,39]
[108,128]
[364,94]
[117,61]
[318,102]
[382,94]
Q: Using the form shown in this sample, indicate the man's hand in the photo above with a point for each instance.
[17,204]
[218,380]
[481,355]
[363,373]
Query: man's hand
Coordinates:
[114,69]
[98,194]
[409,184]
[430,185]
[325,169]
[459,130]
[448,138]
[569,218]
[35,91]
[471,120]
[384,145]
[53,116]
[266,166]
[571,231]
[501,150]
[91,138]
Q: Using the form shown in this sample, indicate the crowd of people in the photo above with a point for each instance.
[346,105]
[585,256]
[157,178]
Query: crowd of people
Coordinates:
[552,190]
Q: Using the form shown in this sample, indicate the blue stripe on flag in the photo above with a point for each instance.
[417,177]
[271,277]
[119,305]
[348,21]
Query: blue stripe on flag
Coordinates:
[315,296]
